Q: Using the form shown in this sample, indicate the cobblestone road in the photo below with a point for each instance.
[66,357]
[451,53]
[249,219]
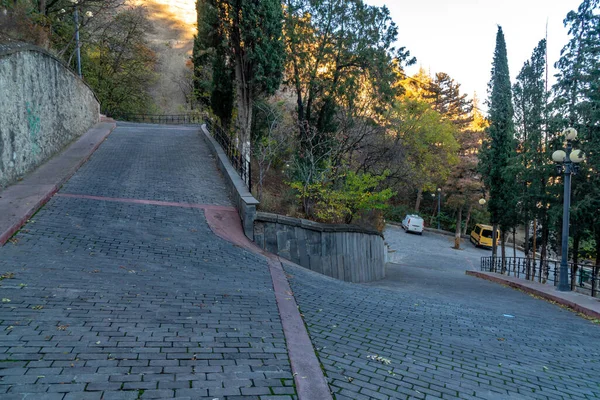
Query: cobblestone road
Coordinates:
[445,335]
[117,300]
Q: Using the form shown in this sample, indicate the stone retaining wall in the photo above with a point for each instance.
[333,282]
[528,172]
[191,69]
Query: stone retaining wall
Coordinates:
[344,252]
[44,106]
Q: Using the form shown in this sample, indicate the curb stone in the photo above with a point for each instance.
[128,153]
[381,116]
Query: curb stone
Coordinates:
[545,293]
[26,197]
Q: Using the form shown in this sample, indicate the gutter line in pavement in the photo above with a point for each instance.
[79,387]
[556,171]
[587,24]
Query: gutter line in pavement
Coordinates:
[308,375]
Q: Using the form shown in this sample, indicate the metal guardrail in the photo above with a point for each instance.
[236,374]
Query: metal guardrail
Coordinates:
[586,280]
[162,119]
[229,146]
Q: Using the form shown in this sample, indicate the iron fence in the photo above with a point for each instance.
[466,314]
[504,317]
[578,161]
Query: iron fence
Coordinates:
[230,147]
[162,119]
[584,278]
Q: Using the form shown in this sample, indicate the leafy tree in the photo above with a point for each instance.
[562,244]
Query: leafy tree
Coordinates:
[497,148]
[340,200]
[49,23]
[119,64]
[463,186]
[270,139]
[429,144]
[343,68]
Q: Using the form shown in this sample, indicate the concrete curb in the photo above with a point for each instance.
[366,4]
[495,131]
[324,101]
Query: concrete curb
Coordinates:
[308,376]
[20,201]
[243,199]
[529,287]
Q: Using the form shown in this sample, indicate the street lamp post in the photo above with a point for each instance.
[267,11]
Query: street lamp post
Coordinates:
[568,164]
[77,44]
[439,190]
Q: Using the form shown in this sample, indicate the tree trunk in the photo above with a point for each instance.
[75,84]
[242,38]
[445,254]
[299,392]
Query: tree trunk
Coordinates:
[596,272]
[576,242]
[419,197]
[468,217]
[559,249]
[515,242]
[261,178]
[526,244]
[534,248]
[494,241]
[543,255]
[244,116]
[503,244]
[458,230]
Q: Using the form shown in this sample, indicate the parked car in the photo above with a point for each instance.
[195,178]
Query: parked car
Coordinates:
[413,223]
[481,236]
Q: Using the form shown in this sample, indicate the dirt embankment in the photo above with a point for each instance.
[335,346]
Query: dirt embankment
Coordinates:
[173,40]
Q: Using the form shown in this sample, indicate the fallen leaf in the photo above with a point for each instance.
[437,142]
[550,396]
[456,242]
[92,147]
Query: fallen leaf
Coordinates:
[7,275]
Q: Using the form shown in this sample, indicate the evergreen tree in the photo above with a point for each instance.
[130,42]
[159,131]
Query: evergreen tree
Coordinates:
[445,97]
[577,103]
[213,70]
[463,186]
[246,37]
[530,165]
[497,148]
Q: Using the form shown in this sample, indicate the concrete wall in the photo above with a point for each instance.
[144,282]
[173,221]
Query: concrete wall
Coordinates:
[343,252]
[43,107]
[241,196]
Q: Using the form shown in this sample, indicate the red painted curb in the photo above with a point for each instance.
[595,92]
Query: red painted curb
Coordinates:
[308,376]
[6,235]
[559,300]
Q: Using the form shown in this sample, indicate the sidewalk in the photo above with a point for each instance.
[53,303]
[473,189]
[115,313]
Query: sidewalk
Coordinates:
[586,305]
[20,201]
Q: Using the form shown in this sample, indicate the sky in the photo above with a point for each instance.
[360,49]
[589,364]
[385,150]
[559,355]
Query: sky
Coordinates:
[458,37]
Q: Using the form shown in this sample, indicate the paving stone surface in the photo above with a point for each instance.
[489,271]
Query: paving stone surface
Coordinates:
[166,163]
[111,300]
[476,340]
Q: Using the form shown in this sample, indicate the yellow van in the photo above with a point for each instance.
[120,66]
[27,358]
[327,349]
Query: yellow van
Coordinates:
[481,235]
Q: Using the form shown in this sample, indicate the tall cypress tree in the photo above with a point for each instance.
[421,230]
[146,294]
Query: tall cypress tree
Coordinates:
[530,165]
[497,149]
[248,56]
[213,70]
[577,103]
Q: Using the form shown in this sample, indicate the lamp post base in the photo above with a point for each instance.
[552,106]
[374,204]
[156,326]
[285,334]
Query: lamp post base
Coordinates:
[563,289]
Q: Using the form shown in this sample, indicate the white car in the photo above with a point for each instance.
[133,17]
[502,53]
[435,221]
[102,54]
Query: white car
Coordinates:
[413,223]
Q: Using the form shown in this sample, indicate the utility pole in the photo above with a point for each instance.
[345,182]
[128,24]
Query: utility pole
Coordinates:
[77,45]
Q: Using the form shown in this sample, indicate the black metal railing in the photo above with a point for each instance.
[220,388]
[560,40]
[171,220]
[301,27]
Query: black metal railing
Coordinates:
[231,148]
[161,119]
[586,280]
